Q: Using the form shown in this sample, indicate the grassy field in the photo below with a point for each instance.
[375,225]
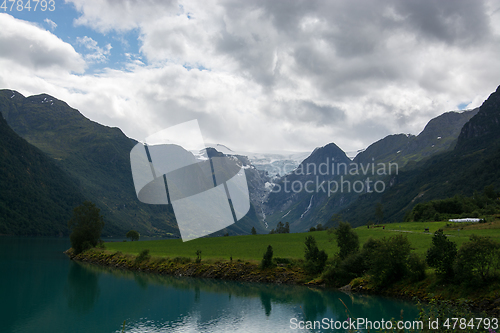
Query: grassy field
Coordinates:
[252,247]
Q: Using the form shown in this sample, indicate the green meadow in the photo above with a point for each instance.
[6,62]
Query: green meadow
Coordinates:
[252,247]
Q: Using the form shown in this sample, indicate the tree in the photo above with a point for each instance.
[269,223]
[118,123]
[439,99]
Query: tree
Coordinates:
[86,224]
[315,259]
[379,212]
[441,254]
[478,257]
[133,235]
[347,239]
[489,191]
[254,231]
[389,259]
[267,259]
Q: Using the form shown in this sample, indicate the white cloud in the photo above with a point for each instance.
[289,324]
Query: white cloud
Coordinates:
[98,54]
[282,75]
[28,46]
[52,25]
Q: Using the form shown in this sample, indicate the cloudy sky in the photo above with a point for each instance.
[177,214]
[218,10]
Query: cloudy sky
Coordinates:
[257,75]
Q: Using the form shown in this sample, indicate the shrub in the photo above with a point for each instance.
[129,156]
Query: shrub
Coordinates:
[181,260]
[142,256]
[334,276]
[388,261]
[477,259]
[283,261]
[416,267]
[342,272]
[267,259]
[315,259]
[355,264]
[441,255]
[198,256]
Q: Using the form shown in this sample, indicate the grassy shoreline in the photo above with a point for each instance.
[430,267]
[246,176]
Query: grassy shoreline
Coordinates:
[237,258]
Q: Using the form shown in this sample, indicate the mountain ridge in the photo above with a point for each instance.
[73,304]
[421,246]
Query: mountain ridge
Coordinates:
[96,156]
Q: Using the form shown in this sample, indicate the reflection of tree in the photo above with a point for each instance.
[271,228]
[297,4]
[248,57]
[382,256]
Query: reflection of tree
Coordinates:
[314,304]
[265,298]
[141,280]
[82,289]
[197,294]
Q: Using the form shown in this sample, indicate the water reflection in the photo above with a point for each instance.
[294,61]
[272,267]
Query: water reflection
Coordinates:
[207,305]
[82,289]
[46,292]
[265,298]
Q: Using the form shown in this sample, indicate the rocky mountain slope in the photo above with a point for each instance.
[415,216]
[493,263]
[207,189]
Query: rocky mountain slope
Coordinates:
[473,164]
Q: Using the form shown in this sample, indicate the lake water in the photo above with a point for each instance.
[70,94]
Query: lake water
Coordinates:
[41,290]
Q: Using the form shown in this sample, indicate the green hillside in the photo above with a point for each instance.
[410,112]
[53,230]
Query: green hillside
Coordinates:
[36,196]
[97,157]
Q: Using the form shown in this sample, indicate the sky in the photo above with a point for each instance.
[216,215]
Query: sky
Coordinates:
[257,75]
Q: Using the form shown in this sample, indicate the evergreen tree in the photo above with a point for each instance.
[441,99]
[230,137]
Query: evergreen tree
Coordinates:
[347,239]
[441,254]
[86,224]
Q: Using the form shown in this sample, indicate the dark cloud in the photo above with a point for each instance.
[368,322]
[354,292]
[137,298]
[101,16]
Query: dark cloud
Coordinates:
[460,22]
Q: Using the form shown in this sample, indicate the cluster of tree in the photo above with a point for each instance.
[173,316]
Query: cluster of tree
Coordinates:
[315,259]
[386,260]
[281,228]
[480,204]
[476,261]
[318,227]
[389,260]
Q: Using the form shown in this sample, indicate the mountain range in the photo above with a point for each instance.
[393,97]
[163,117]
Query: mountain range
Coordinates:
[53,158]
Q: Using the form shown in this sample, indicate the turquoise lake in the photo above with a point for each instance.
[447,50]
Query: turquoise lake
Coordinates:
[43,291]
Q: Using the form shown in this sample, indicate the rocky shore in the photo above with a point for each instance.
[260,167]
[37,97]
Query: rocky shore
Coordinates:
[225,270]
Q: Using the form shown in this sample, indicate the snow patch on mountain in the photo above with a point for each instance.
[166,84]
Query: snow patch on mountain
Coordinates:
[308,207]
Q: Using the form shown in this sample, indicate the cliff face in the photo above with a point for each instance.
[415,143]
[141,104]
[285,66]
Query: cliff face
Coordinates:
[484,128]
